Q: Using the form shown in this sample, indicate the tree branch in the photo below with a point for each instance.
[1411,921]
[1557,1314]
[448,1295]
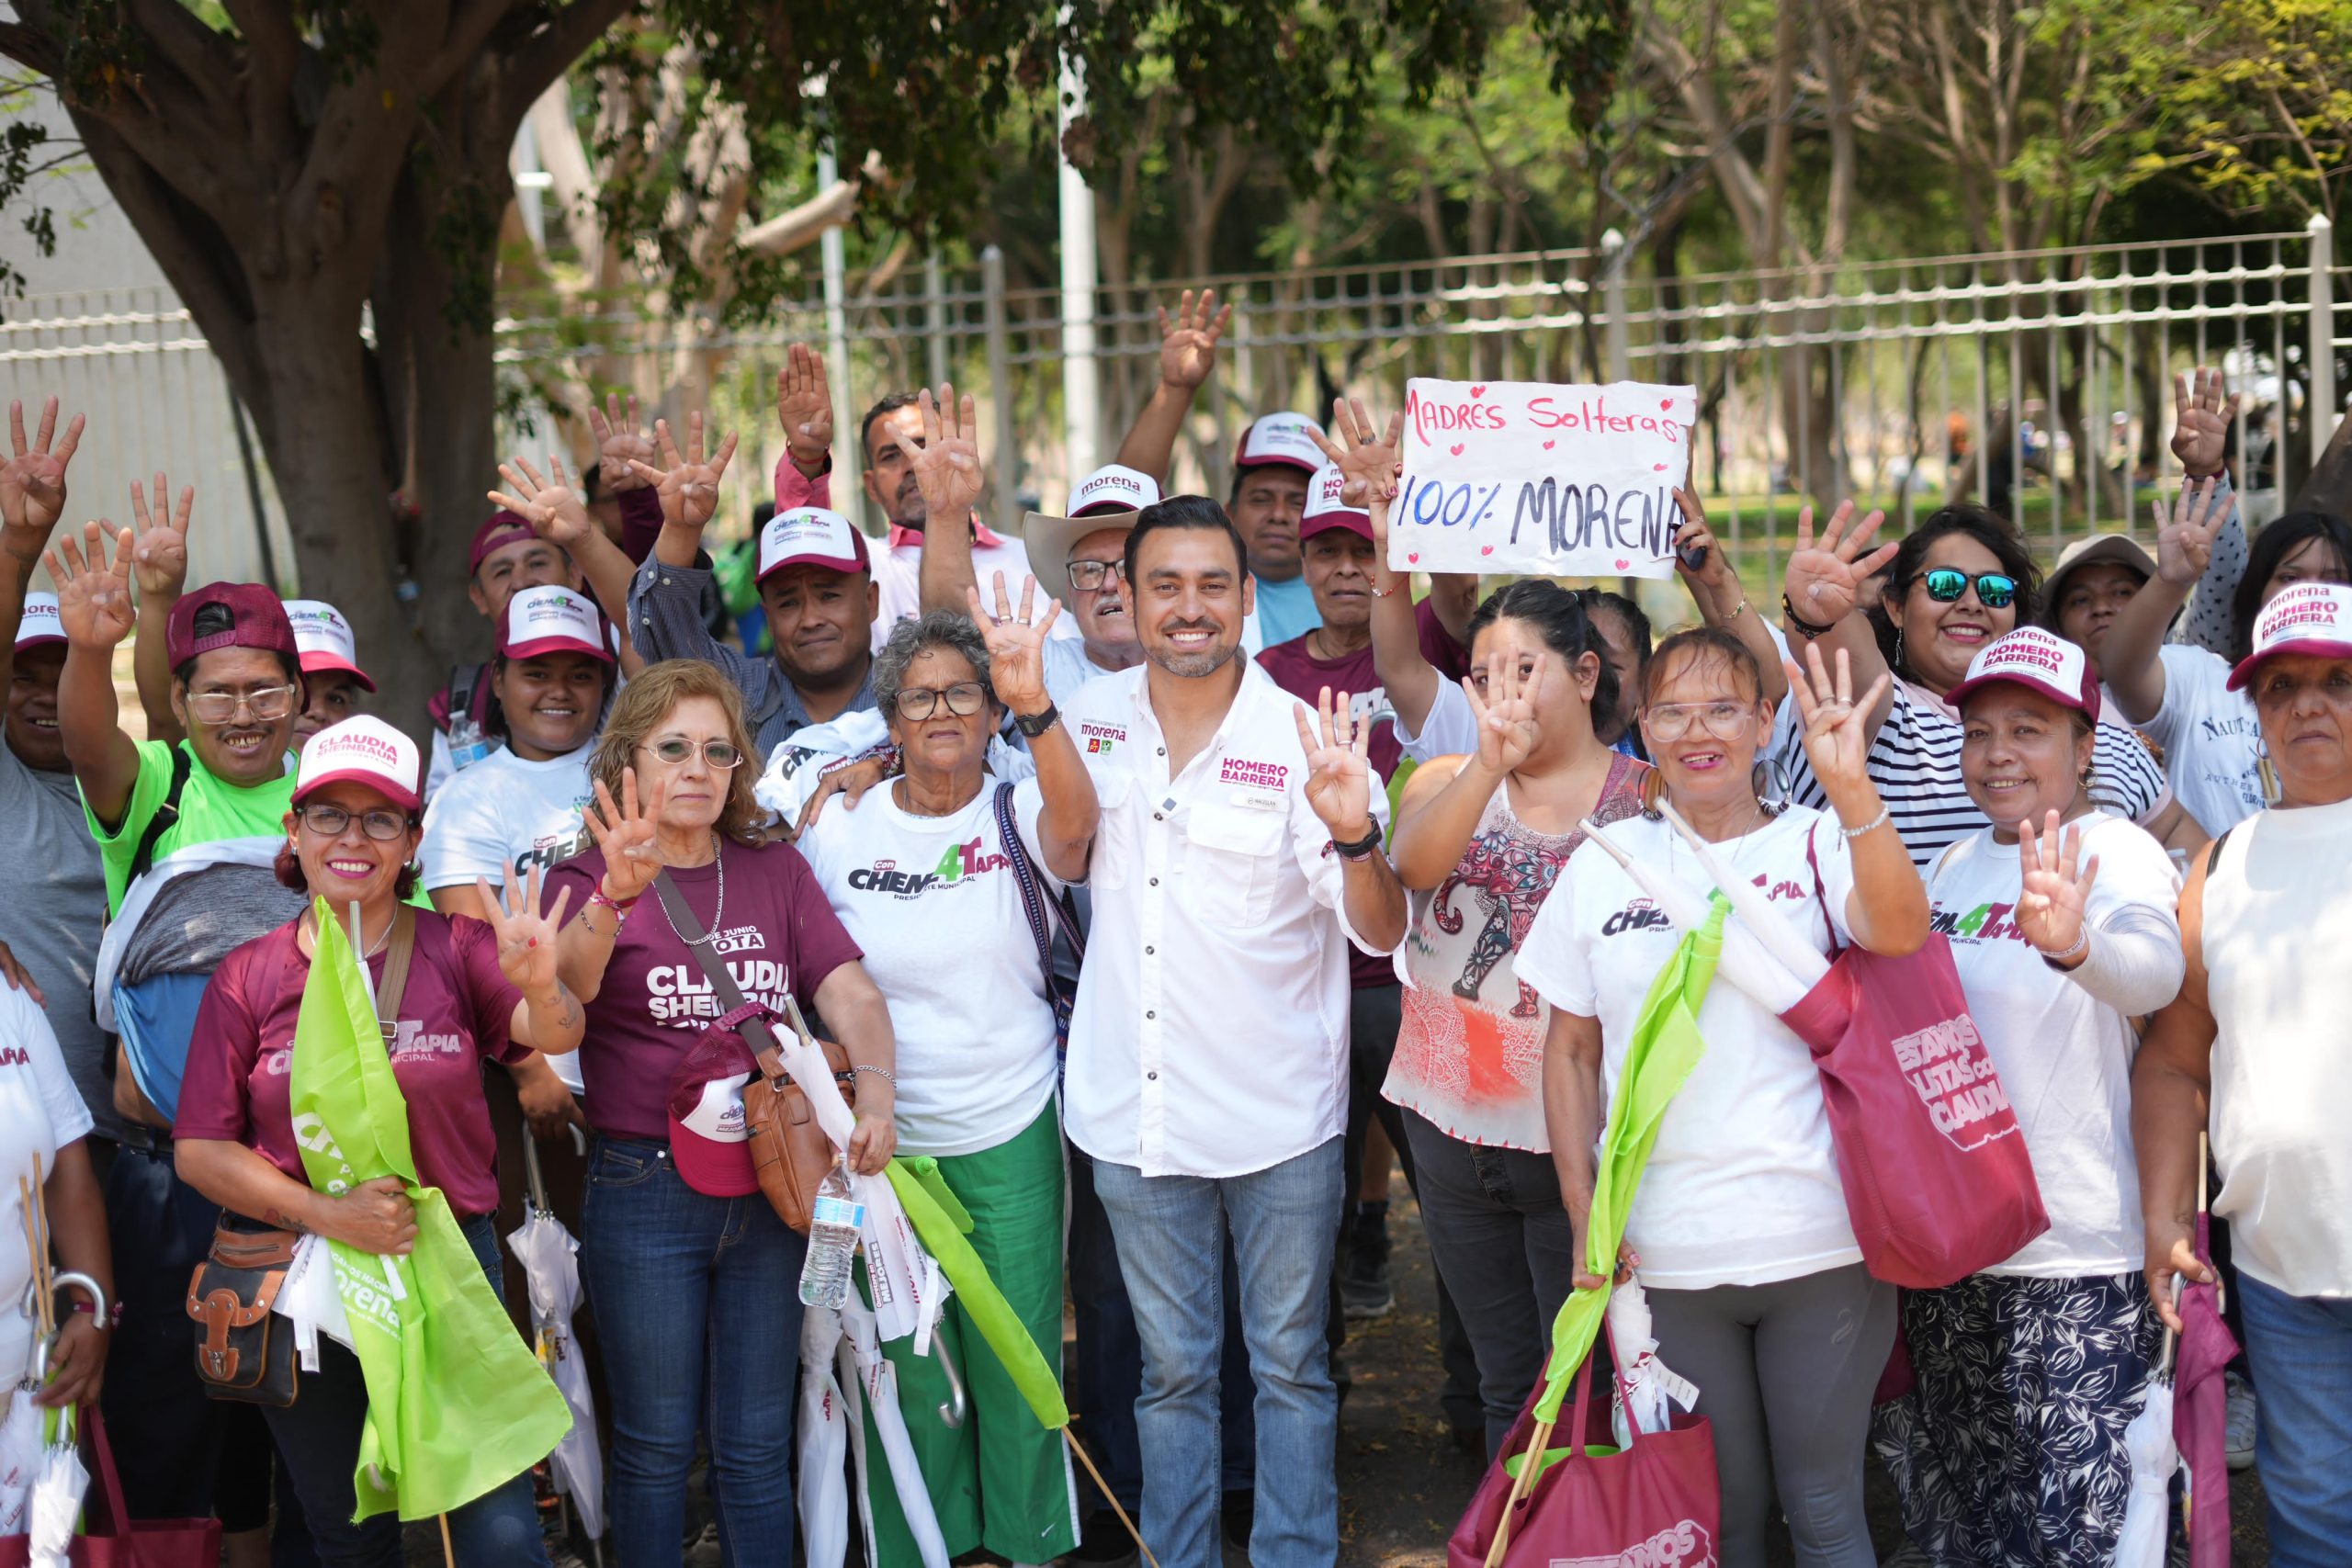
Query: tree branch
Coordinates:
[200,54]
[533,65]
[31,48]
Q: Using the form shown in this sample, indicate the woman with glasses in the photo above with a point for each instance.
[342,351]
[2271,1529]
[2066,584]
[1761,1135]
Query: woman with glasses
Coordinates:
[923,868]
[1957,582]
[476,988]
[693,1278]
[1739,1233]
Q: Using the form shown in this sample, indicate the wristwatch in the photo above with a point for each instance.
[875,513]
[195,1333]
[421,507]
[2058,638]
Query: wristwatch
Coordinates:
[1033,725]
[1363,848]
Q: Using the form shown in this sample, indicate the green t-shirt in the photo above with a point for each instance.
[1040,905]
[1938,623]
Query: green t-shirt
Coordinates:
[211,811]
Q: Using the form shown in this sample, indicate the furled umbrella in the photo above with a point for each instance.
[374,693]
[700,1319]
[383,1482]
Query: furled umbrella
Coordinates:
[551,1272]
[2201,1402]
[2148,1440]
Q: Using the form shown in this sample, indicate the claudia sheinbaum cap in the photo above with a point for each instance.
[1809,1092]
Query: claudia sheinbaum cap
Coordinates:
[363,750]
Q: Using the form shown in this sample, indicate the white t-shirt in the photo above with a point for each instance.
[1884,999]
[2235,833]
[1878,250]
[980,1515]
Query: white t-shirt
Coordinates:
[506,812]
[2064,1058]
[934,903]
[2212,739]
[1742,1188]
[39,1113]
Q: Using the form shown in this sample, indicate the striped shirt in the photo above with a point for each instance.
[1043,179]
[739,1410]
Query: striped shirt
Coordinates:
[1915,763]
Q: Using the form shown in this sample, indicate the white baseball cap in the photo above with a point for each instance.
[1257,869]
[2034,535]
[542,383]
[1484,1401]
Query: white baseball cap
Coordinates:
[1280,438]
[1326,510]
[1110,497]
[552,619]
[363,750]
[2312,618]
[811,535]
[41,624]
[325,640]
[2038,660]
[1111,487]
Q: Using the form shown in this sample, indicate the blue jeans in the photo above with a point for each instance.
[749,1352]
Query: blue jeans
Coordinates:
[1171,1231]
[2302,1351]
[698,1302]
[318,1438]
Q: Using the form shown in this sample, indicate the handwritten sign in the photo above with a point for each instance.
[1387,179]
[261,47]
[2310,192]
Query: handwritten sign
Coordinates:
[1522,476]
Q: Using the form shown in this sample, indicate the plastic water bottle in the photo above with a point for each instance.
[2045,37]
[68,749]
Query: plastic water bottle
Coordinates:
[834,1221]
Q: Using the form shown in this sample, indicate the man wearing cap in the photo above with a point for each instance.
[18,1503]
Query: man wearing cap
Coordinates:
[55,892]
[332,679]
[1240,857]
[1089,546]
[187,833]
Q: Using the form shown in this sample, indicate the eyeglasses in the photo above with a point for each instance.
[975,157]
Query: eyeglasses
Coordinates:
[382,825]
[1086,576]
[1995,590]
[268,705]
[675,751]
[1672,721]
[964,699]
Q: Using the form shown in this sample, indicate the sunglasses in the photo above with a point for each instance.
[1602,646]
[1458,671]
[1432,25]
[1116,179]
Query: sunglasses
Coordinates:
[1995,590]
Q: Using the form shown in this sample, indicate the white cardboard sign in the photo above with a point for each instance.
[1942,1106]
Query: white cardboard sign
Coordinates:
[1552,480]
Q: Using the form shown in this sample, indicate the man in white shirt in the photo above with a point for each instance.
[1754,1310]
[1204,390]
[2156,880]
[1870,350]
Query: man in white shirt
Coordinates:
[1207,1078]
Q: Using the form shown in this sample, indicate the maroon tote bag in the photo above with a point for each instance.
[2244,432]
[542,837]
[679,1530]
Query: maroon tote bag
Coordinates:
[159,1543]
[1938,1180]
[1655,1502]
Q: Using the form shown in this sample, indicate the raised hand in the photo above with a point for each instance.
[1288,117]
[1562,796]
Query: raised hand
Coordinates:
[32,481]
[1508,733]
[1187,340]
[159,553]
[1367,461]
[1713,574]
[2057,889]
[1825,580]
[620,441]
[804,406]
[92,597]
[689,486]
[550,507]
[947,465]
[625,834]
[2201,417]
[1837,725]
[1339,773]
[2185,533]
[1016,648]
[526,934]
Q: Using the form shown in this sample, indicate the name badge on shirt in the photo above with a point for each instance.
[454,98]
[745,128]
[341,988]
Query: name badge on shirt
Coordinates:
[1255,800]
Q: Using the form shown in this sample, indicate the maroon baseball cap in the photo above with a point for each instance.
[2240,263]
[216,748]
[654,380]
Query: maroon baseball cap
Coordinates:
[710,1134]
[500,529]
[256,619]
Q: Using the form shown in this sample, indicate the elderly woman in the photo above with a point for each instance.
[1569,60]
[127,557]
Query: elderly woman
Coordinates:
[2257,1031]
[692,1276]
[1955,582]
[922,873]
[1740,1231]
[475,988]
[2060,915]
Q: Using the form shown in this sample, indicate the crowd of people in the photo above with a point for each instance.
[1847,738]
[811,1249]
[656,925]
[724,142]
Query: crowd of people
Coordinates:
[1166,874]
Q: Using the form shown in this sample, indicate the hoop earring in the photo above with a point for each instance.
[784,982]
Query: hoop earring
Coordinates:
[1898,653]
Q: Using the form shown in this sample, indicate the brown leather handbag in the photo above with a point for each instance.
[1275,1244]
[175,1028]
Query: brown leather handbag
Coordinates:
[245,1351]
[790,1153]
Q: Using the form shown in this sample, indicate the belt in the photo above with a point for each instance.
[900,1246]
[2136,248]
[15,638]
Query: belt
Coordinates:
[146,1140]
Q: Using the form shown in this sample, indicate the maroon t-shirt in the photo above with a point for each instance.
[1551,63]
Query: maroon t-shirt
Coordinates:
[780,936]
[454,1011]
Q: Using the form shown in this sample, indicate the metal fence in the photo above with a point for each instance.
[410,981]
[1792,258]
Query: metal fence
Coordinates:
[2039,382]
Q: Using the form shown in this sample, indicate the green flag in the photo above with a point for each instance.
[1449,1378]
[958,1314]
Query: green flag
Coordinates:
[457,1403]
[1665,1047]
[939,1221]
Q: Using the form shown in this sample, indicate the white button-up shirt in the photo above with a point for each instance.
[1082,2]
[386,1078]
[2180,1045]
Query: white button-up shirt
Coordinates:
[1210,1036]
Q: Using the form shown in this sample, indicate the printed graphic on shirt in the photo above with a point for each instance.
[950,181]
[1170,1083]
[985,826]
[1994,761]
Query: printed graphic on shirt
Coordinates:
[1099,737]
[1985,922]
[1253,774]
[548,850]
[679,997]
[410,1039]
[956,866]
